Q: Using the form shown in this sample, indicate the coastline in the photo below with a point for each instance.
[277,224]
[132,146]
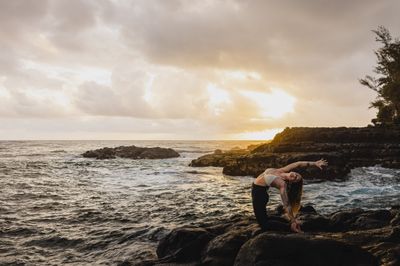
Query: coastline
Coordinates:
[352,235]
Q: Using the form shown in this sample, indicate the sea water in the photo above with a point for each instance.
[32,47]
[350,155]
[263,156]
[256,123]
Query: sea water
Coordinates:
[57,207]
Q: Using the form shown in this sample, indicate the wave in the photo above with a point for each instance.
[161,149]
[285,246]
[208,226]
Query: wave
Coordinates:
[55,242]
[58,151]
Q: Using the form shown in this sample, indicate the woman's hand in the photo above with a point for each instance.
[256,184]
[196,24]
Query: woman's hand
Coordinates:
[321,163]
[295,226]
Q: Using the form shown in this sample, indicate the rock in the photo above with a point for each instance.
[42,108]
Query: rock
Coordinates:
[131,152]
[373,219]
[396,220]
[381,215]
[218,151]
[346,237]
[344,148]
[388,253]
[183,244]
[307,209]
[104,153]
[395,235]
[314,223]
[341,221]
[273,249]
[364,222]
[219,251]
[303,210]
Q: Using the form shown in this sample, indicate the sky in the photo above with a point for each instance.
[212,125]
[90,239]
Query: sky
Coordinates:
[176,69]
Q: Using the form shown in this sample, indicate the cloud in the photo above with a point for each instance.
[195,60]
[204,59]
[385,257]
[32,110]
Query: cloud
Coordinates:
[155,62]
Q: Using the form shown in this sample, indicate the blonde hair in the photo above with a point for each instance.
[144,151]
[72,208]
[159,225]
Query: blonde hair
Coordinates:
[294,191]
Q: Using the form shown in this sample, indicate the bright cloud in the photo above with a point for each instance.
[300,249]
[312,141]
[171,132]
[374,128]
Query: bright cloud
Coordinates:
[218,99]
[275,104]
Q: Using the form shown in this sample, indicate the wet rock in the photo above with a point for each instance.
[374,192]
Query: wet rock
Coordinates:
[347,237]
[131,152]
[364,222]
[341,221]
[314,223]
[104,153]
[396,220]
[273,249]
[303,210]
[381,215]
[395,235]
[183,244]
[308,209]
[219,251]
[359,219]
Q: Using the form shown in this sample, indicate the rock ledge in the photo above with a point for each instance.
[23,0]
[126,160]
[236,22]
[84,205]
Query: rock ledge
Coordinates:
[348,237]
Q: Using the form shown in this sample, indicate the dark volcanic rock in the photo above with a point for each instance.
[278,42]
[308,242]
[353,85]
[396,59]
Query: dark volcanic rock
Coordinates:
[359,219]
[104,153]
[349,237]
[219,250]
[273,249]
[183,244]
[344,148]
[315,223]
[131,152]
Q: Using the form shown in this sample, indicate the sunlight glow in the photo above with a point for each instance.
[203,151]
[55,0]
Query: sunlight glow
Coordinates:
[148,93]
[259,135]
[274,105]
[218,100]
[242,75]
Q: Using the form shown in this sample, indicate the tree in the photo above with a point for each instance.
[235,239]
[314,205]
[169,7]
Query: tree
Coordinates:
[387,81]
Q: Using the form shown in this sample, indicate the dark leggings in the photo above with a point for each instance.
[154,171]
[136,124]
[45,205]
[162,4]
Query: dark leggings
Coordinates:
[260,199]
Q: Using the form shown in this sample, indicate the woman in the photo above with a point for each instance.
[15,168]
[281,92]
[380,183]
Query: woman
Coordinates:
[290,186]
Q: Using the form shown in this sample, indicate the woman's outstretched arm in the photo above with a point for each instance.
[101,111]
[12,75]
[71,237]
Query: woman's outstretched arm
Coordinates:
[320,163]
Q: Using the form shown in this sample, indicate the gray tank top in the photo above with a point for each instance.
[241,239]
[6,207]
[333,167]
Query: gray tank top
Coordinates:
[269,178]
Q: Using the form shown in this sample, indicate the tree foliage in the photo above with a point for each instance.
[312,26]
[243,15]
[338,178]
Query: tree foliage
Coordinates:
[387,81]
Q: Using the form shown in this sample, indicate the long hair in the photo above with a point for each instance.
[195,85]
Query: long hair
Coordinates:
[294,191]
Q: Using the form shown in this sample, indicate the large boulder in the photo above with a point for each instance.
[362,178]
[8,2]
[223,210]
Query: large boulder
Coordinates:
[183,244]
[274,249]
[131,152]
[219,250]
[358,219]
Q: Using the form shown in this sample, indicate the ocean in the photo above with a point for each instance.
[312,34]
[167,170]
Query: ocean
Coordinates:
[57,207]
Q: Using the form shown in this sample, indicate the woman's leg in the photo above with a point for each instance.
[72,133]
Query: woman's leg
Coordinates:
[260,199]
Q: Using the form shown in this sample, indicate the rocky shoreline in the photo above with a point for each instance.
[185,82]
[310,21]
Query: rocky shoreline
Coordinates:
[347,237]
[344,148]
[131,152]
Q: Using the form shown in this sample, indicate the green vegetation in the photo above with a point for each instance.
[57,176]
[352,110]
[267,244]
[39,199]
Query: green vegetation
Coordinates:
[387,81]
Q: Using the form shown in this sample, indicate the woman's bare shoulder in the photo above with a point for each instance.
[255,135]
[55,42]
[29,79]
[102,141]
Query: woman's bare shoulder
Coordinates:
[270,170]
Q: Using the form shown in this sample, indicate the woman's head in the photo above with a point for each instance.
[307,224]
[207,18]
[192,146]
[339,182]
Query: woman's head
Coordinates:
[293,177]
